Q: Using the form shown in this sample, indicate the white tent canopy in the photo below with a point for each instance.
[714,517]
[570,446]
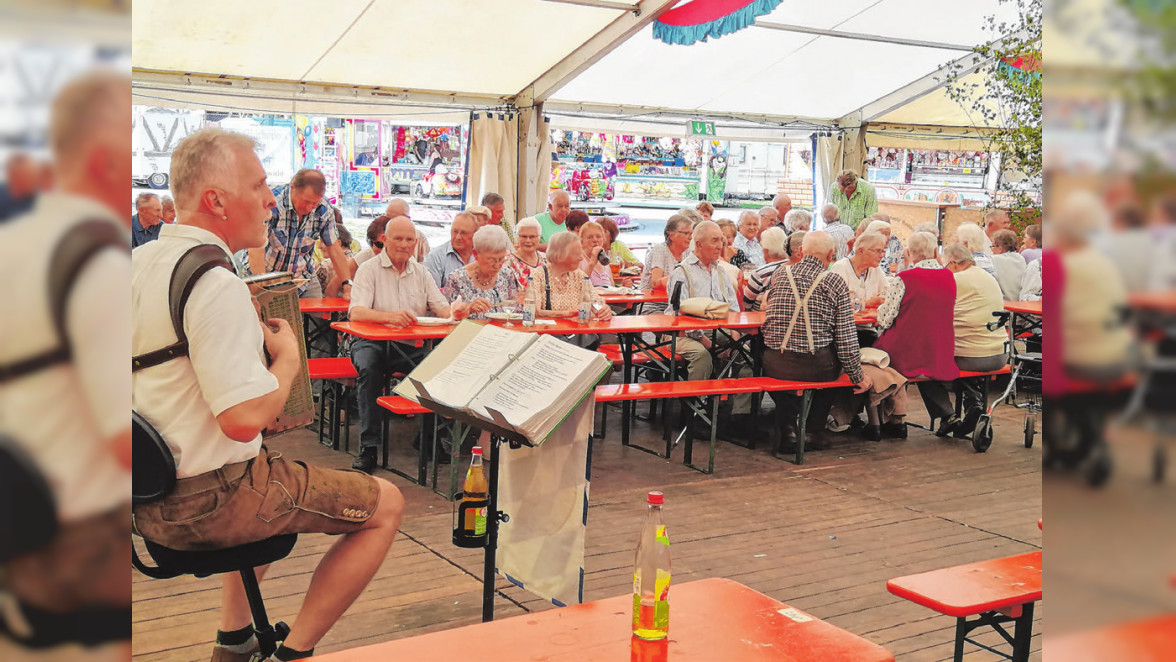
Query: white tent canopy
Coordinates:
[807,64]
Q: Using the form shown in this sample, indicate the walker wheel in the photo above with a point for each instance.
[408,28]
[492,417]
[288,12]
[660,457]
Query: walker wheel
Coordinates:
[982,437]
[1030,430]
[1099,469]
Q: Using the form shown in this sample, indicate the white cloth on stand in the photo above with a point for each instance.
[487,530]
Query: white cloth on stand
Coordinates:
[545,491]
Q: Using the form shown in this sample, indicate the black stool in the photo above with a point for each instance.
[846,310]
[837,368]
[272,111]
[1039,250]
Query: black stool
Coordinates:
[242,560]
[154,477]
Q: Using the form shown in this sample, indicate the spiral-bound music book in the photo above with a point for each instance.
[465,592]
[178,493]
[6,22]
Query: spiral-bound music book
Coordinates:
[516,380]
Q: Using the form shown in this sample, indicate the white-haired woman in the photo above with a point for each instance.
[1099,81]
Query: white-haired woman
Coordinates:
[892,260]
[662,258]
[977,348]
[973,238]
[486,282]
[798,220]
[560,282]
[860,271]
[526,257]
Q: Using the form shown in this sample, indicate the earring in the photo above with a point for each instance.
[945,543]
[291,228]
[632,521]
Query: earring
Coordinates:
[224,218]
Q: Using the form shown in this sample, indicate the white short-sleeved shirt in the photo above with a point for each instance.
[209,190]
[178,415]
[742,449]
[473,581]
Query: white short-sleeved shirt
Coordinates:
[379,286]
[226,361]
[64,415]
[873,284]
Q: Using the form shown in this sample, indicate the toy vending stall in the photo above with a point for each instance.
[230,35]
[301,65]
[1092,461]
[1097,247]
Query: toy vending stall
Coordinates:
[426,161]
[963,177]
[652,167]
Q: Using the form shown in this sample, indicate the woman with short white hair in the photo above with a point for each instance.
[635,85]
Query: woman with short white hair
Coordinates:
[860,271]
[560,282]
[892,261]
[798,220]
[486,282]
[526,257]
[973,238]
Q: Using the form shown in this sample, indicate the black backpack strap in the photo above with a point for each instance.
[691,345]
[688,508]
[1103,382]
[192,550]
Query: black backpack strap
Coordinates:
[547,285]
[194,263]
[70,256]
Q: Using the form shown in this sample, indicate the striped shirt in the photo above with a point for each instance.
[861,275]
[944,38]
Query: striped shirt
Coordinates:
[858,207]
[841,234]
[291,237]
[758,282]
[829,310]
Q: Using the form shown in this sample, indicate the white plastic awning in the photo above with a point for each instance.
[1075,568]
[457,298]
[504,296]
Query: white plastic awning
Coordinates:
[818,61]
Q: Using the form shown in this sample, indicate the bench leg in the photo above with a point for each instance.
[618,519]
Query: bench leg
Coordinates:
[961,636]
[1023,634]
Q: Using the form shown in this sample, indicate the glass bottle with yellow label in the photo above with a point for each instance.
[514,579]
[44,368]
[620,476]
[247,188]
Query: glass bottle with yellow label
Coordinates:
[651,575]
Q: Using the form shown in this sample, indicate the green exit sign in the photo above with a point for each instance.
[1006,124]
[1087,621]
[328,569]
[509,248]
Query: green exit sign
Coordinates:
[700,128]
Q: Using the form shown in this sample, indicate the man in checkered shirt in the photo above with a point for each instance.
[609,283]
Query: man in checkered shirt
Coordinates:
[810,335]
[300,219]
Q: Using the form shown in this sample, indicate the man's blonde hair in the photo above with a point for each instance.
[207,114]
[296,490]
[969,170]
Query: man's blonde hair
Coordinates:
[92,105]
[205,158]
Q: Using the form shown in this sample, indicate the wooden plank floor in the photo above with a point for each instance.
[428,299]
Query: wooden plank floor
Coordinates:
[824,538]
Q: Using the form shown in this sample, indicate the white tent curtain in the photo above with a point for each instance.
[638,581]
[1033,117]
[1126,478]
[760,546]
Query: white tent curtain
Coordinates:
[535,157]
[493,159]
[830,156]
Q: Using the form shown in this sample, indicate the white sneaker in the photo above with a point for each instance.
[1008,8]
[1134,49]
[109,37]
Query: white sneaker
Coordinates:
[832,426]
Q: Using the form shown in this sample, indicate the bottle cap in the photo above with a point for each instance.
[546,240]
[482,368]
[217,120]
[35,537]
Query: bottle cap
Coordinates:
[656,498]
[477,450]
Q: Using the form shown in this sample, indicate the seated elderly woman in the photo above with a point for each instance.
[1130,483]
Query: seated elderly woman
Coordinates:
[1010,266]
[616,246]
[798,220]
[560,282]
[860,271]
[706,209]
[592,240]
[916,318]
[796,246]
[662,258]
[486,282]
[526,257]
[892,260]
[731,255]
[748,238]
[973,238]
[776,253]
[977,297]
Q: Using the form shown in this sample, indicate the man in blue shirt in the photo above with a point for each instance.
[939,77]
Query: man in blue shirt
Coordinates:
[18,195]
[146,224]
[455,253]
[301,218]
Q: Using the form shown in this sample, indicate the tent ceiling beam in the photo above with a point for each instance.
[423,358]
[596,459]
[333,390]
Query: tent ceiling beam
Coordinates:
[163,82]
[841,34]
[621,112]
[592,51]
[602,4]
[963,66]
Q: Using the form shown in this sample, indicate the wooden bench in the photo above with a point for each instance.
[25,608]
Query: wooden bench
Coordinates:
[714,389]
[805,390]
[996,592]
[338,376]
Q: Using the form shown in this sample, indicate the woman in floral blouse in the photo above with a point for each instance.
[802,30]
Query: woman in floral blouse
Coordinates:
[567,288]
[526,257]
[486,282]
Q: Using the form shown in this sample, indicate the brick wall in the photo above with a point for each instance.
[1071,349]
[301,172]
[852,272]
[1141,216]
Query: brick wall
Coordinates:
[800,192]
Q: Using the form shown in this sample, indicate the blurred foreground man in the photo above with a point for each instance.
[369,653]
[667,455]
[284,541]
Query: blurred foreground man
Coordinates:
[65,389]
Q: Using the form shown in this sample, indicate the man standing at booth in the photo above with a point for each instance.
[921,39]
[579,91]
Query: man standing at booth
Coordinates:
[854,198]
[300,218]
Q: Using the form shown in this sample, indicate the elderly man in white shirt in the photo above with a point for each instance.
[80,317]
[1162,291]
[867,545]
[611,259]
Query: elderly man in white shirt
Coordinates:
[841,233]
[391,288]
[700,275]
[860,271]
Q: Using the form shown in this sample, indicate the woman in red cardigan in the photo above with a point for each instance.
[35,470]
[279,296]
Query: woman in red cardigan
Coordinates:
[917,319]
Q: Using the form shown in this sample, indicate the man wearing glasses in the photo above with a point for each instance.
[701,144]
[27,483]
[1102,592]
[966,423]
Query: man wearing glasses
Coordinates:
[455,253]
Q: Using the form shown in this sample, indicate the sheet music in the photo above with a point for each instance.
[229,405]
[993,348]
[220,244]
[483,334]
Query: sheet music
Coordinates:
[528,387]
[486,354]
